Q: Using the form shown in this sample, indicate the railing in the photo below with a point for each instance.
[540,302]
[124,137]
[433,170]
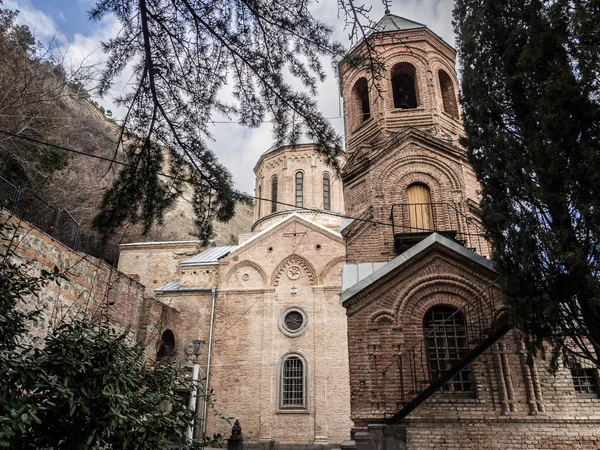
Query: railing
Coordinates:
[58,223]
[415,372]
[443,217]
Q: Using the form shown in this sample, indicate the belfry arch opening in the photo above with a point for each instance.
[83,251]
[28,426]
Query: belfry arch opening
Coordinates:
[404,86]
[360,97]
[448,94]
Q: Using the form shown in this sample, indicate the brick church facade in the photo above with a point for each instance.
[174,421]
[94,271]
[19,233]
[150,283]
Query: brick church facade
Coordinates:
[319,327]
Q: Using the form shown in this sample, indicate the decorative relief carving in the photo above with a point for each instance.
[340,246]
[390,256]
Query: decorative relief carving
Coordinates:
[294,272]
[246,277]
[295,266]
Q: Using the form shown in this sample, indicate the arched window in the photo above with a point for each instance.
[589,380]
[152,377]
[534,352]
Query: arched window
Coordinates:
[448,94]
[293,389]
[274,194]
[446,342]
[299,189]
[403,86]
[326,192]
[360,95]
[420,213]
[166,346]
[259,197]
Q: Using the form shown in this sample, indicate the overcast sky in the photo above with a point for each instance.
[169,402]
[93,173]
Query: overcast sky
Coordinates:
[238,147]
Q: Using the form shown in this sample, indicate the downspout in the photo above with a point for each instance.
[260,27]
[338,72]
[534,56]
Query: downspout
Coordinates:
[210,340]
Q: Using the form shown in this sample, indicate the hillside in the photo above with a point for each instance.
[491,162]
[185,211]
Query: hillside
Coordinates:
[79,187]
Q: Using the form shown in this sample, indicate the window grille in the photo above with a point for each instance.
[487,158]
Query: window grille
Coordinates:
[326,192]
[584,381]
[292,383]
[299,188]
[446,341]
[274,195]
[294,320]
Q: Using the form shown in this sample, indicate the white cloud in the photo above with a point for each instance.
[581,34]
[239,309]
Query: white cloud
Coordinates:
[238,147]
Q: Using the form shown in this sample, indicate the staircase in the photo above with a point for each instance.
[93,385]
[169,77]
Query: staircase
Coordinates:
[473,328]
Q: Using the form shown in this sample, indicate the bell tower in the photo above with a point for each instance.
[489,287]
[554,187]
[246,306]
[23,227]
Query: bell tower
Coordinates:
[406,170]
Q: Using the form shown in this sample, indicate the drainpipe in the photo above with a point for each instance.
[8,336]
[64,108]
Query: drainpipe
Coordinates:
[210,341]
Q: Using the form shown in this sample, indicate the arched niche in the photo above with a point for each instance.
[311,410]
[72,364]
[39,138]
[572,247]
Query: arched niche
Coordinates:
[166,345]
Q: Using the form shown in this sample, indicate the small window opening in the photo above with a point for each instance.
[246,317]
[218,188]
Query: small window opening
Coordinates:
[293,383]
[299,189]
[326,192]
[166,346]
[274,195]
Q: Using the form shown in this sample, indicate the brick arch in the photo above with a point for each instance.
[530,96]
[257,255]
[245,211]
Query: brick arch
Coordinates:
[243,263]
[420,66]
[306,266]
[413,302]
[406,170]
[331,264]
[381,317]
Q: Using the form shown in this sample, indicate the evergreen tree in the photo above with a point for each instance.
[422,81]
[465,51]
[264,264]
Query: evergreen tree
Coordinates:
[530,92]
[183,53]
[86,387]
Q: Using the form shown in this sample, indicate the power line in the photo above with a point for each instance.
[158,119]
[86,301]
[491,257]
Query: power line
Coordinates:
[120,120]
[185,180]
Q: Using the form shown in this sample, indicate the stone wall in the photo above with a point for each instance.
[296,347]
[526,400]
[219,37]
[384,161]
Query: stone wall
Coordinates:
[91,284]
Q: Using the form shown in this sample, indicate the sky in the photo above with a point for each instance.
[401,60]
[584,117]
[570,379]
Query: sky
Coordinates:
[238,148]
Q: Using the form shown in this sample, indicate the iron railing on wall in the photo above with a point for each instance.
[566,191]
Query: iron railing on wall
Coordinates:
[440,216]
[58,223]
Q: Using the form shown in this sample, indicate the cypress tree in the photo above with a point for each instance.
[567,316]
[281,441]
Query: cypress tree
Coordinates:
[530,94]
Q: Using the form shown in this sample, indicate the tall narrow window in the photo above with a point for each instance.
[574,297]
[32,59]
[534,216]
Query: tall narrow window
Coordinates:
[403,86]
[292,382]
[360,95]
[299,188]
[326,192]
[420,213]
[446,343]
[448,94]
[274,194]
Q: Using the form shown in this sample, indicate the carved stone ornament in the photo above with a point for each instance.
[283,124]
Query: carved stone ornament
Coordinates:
[294,272]
[246,277]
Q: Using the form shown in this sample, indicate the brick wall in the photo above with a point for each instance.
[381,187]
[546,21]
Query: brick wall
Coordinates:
[92,282]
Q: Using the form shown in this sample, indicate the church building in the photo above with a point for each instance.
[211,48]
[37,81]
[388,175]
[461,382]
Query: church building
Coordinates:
[368,307]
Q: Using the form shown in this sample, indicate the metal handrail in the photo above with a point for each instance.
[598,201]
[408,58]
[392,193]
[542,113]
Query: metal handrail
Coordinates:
[408,218]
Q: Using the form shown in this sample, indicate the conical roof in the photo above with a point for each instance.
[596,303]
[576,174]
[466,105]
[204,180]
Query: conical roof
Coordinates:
[392,22]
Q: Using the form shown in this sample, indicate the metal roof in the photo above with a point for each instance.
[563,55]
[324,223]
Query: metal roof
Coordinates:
[174,286]
[353,273]
[350,289]
[392,22]
[209,256]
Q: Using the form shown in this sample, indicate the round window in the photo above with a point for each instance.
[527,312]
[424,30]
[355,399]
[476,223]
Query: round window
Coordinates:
[292,322]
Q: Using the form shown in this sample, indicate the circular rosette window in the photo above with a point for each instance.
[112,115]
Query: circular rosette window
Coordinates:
[292,322]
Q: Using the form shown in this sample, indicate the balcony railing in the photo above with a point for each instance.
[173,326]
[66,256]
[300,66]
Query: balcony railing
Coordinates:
[411,221]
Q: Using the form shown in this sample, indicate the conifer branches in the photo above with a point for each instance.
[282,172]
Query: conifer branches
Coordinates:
[183,53]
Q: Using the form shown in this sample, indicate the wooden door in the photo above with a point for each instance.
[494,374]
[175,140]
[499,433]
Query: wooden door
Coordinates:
[420,214]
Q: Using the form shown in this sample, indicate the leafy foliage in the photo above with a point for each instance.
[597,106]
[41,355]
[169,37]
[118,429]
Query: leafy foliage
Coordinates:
[86,387]
[183,53]
[530,92]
